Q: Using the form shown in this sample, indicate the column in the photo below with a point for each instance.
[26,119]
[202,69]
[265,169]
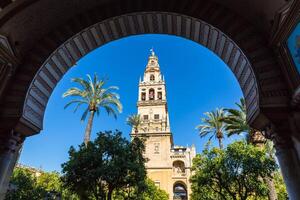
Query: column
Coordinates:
[288,161]
[295,126]
[10,145]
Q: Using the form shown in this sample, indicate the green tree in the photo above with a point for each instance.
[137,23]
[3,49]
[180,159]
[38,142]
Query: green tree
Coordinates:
[108,164]
[236,124]
[280,186]
[151,192]
[25,186]
[213,124]
[49,181]
[30,184]
[154,193]
[232,173]
[93,94]
[134,121]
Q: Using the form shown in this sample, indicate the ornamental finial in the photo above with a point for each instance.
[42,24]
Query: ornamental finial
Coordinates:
[152,51]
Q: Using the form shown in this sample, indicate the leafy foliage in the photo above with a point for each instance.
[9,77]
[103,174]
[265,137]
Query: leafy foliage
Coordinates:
[151,192]
[108,164]
[235,120]
[134,121]
[213,124]
[93,94]
[233,173]
[280,186]
[31,186]
[26,185]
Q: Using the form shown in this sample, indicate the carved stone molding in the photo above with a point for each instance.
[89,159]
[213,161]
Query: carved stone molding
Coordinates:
[285,21]
[10,142]
[8,63]
[105,31]
[296,98]
[282,21]
[280,140]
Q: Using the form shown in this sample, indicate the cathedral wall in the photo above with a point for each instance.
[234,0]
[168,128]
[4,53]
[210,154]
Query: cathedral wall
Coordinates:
[162,179]
[158,151]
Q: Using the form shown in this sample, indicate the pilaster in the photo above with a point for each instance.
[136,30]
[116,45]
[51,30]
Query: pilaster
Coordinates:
[10,145]
[288,159]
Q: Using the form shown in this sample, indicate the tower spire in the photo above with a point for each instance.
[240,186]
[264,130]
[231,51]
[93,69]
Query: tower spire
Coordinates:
[152,51]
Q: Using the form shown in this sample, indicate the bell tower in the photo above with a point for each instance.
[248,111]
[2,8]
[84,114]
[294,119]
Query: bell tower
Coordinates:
[168,165]
[153,110]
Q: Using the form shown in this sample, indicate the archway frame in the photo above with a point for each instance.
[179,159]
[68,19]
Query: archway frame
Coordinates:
[34,42]
[66,55]
[179,182]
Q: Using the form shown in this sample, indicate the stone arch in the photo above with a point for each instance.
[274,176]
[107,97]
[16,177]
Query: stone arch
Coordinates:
[178,167]
[180,191]
[152,77]
[35,42]
[147,22]
[151,94]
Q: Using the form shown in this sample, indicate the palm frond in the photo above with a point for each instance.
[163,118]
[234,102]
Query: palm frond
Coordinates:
[85,84]
[74,91]
[212,123]
[78,101]
[93,93]
[84,115]
[110,110]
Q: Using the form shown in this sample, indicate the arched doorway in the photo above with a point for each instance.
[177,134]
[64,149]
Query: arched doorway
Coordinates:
[180,191]
[55,34]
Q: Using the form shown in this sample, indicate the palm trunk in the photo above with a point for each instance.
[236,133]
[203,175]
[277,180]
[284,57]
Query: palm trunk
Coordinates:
[272,195]
[88,129]
[220,142]
[256,139]
[109,194]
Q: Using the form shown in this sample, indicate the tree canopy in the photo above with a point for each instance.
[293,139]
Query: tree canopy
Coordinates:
[233,173]
[213,124]
[107,164]
[94,96]
[27,184]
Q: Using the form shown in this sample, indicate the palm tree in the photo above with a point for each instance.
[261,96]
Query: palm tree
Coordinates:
[213,124]
[93,94]
[134,121]
[236,124]
[236,120]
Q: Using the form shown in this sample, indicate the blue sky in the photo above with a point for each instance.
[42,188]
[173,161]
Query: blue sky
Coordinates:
[197,81]
[294,45]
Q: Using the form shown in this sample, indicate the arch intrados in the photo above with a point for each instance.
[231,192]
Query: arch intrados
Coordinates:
[64,57]
[178,161]
[180,183]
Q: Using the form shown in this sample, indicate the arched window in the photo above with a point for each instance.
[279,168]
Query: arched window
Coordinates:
[152,77]
[179,191]
[151,94]
[143,96]
[159,95]
[178,168]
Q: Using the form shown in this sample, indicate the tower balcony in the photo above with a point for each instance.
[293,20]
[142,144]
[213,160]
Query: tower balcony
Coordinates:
[152,102]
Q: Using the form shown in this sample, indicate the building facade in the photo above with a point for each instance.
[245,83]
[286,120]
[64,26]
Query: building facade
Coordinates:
[169,166]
